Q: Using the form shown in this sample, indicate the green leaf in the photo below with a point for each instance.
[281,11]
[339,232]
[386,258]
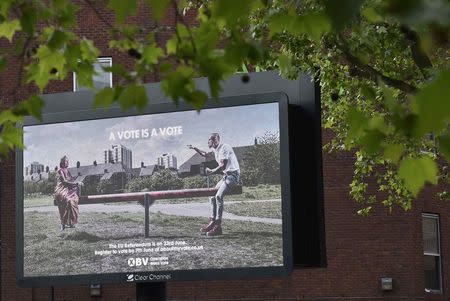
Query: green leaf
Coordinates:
[197,99]
[444,146]
[214,86]
[9,28]
[50,65]
[255,52]
[67,13]
[58,39]
[284,63]
[104,98]
[179,84]
[151,54]
[123,8]
[119,69]
[206,37]
[4,7]
[377,122]
[172,45]
[159,8]
[73,54]
[280,22]
[393,152]
[28,19]
[364,211]
[371,141]
[88,50]
[368,91]
[2,63]
[85,71]
[342,12]
[432,105]
[233,11]
[11,136]
[357,122]
[313,24]
[371,15]
[165,67]
[182,30]
[133,96]
[32,106]
[235,53]
[215,70]
[9,116]
[415,172]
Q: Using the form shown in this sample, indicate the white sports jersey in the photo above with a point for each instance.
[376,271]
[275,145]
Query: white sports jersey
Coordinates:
[225,152]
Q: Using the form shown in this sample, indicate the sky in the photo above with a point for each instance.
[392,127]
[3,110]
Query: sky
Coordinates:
[85,141]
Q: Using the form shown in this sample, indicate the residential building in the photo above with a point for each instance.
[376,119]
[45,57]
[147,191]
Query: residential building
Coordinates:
[34,167]
[168,161]
[119,154]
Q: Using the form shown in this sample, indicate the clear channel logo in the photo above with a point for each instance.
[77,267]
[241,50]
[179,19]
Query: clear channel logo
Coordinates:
[148,277]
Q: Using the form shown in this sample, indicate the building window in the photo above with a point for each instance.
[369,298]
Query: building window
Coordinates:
[431,253]
[101,80]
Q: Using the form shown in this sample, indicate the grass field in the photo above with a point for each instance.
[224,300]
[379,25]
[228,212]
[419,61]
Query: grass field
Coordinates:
[49,251]
[258,209]
[259,192]
[37,201]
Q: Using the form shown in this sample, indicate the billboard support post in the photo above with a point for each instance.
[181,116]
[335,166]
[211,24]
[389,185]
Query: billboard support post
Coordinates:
[151,291]
[147,215]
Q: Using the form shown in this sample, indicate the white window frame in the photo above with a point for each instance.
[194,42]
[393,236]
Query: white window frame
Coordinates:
[435,217]
[99,60]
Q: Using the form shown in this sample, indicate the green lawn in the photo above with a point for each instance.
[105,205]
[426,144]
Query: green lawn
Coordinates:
[260,192]
[49,251]
[258,209]
[37,201]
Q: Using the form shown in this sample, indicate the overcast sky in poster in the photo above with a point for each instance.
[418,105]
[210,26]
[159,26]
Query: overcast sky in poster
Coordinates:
[85,141]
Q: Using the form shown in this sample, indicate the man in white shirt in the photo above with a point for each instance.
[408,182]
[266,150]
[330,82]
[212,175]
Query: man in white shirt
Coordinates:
[228,164]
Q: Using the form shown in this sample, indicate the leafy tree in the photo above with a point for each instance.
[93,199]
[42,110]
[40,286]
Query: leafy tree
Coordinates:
[90,185]
[262,161]
[30,187]
[382,64]
[106,187]
[201,181]
[160,180]
[165,180]
[138,184]
[46,186]
[195,182]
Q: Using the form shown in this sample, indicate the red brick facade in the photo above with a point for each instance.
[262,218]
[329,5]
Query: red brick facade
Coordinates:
[360,250]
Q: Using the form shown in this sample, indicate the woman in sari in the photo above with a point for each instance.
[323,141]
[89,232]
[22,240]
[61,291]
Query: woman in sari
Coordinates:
[66,195]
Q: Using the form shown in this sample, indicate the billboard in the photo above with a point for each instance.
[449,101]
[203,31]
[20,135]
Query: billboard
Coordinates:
[166,194]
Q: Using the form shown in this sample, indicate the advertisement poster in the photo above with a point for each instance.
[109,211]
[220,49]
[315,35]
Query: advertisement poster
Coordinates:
[226,148]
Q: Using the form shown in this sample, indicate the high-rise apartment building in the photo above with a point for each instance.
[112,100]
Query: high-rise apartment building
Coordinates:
[119,154]
[168,161]
[34,167]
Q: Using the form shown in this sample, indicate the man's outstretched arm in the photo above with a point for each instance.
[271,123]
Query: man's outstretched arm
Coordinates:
[199,151]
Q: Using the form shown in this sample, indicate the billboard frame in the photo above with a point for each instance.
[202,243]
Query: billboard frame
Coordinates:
[177,275]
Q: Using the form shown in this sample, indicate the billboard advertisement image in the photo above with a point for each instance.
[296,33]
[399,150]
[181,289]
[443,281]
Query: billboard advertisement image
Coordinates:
[160,196]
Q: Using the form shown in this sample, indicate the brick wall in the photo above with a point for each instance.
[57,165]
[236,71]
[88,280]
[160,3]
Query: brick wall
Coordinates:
[359,250]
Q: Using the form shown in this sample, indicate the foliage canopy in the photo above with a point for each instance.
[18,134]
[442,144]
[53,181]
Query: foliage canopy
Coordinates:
[383,66]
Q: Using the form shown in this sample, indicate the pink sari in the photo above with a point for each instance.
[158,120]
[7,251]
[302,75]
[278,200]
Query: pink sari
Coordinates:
[66,197]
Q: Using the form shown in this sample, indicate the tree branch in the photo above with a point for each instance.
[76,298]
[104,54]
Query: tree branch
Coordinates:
[364,70]
[98,13]
[419,56]
[179,18]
